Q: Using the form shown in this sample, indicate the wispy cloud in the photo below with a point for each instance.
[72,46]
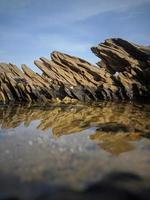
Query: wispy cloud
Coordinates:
[81,10]
[66,10]
[33,28]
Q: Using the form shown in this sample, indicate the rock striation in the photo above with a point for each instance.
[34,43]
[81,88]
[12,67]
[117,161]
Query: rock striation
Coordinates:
[129,64]
[122,73]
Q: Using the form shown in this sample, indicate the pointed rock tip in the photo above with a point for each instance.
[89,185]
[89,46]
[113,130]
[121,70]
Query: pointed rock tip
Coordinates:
[44,59]
[11,64]
[57,54]
[113,40]
[36,61]
[24,66]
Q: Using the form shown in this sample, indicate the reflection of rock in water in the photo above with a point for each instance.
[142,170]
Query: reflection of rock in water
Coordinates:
[71,119]
[116,143]
[73,161]
[113,127]
[115,137]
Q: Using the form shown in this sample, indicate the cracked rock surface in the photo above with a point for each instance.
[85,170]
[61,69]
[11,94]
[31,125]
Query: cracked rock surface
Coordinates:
[123,73]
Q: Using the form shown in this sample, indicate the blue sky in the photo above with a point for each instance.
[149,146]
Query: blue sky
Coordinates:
[30,29]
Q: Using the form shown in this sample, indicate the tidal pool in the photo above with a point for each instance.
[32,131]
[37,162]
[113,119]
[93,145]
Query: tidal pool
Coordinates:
[73,146]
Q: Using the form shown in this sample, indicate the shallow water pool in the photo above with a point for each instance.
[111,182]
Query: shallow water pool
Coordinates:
[73,146]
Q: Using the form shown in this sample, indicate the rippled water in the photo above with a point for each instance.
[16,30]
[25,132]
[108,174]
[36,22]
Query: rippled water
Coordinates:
[74,145]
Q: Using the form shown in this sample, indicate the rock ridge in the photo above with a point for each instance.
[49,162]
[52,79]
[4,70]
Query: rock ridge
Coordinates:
[123,73]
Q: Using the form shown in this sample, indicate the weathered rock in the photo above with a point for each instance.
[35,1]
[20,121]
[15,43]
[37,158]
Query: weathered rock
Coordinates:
[123,73]
[129,64]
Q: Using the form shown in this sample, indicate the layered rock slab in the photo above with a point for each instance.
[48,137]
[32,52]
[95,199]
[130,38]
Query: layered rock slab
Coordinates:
[122,73]
[130,65]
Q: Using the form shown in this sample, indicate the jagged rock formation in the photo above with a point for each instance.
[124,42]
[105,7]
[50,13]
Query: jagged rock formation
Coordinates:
[130,64]
[123,73]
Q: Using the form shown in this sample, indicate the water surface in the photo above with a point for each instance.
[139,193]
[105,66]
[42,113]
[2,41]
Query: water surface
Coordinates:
[74,145]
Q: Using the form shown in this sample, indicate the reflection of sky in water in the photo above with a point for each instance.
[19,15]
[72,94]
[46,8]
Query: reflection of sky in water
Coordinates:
[61,145]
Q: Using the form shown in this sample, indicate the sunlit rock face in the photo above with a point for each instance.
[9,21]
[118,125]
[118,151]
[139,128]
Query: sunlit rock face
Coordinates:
[122,73]
[130,65]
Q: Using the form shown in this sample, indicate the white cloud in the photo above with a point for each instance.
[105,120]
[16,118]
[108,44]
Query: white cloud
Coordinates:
[61,11]
[32,19]
[82,9]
